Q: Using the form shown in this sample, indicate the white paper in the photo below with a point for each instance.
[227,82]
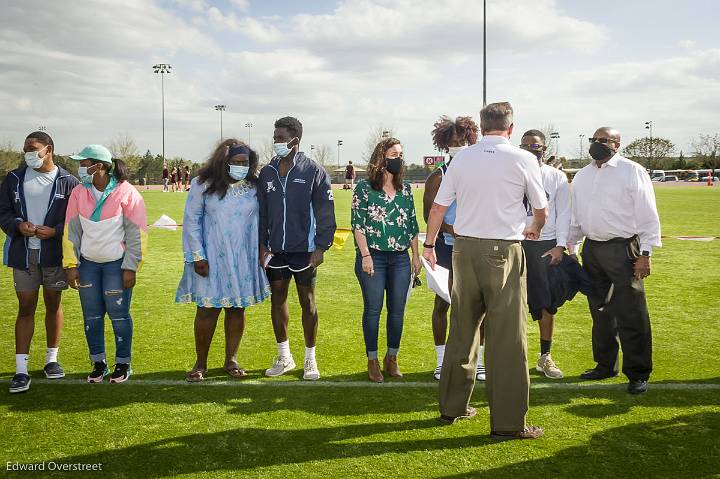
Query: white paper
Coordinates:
[410,287]
[437,281]
[166,223]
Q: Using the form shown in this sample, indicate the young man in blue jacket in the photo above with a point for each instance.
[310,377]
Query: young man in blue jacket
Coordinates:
[297,226]
[33,200]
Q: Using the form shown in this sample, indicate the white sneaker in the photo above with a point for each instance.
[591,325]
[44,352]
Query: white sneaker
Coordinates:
[436,374]
[311,370]
[280,366]
[480,372]
[547,366]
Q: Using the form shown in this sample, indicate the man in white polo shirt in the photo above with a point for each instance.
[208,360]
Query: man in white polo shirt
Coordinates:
[489,181]
[613,205]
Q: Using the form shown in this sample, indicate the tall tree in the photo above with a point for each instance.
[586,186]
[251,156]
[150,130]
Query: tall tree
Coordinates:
[652,153]
[324,155]
[123,147]
[376,134]
[707,149]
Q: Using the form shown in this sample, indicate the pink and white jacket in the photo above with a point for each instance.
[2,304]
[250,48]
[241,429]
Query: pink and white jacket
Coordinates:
[106,230]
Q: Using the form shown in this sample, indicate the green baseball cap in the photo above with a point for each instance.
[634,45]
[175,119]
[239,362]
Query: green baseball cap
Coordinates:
[94,152]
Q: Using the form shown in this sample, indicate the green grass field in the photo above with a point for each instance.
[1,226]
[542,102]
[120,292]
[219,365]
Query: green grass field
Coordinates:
[156,426]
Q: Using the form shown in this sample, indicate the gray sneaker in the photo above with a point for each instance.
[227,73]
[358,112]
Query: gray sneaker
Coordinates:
[54,371]
[280,366]
[547,366]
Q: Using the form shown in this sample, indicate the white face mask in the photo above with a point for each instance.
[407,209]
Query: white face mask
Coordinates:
[453,150]
[282,149]
[33,158]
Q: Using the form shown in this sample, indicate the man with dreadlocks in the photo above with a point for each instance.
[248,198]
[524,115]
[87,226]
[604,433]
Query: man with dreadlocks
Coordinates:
[448,136]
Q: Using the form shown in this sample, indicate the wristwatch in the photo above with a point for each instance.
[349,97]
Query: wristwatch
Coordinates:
[645,253]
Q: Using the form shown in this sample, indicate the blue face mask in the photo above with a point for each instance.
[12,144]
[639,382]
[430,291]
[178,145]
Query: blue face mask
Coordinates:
[238,172]
[85,177]
[281,149]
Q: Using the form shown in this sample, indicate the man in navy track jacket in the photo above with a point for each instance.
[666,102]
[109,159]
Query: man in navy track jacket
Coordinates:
[297,226]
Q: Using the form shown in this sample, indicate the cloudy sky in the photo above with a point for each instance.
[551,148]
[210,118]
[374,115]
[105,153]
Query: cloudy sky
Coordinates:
[83,69]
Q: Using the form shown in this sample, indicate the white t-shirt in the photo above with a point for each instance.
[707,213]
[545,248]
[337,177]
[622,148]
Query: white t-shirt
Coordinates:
[557,191]
[489,180]
[96,193]
[37,188]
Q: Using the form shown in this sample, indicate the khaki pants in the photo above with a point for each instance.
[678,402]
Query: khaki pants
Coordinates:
[489,286]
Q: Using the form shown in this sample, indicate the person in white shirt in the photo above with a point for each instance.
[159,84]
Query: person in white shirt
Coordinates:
[546,251]
[489,181]
[613,204]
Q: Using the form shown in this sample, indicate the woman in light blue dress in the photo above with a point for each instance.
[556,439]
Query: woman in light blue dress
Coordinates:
[220,246]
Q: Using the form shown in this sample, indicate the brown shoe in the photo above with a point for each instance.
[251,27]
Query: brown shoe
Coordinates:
[448,420]
[374,371]
[529,432]
[391,366]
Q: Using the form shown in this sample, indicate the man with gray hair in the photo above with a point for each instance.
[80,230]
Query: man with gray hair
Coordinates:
[489,181]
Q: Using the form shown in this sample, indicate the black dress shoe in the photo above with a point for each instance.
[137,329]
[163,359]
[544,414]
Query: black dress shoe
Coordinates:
[637,387]
[598,373]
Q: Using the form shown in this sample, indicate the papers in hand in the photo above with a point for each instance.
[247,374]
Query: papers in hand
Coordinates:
[437,280]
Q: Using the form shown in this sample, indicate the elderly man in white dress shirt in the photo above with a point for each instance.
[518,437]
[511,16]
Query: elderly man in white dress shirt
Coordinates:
[614,209]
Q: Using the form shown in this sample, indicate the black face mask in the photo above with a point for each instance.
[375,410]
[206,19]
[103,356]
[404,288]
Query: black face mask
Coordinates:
[601,151]
[394,165]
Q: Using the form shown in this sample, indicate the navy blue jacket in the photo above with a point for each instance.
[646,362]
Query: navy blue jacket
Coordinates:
[297,214]
[13,212]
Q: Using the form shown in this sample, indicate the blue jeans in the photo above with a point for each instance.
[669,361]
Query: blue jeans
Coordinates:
[392,274]
[101,291]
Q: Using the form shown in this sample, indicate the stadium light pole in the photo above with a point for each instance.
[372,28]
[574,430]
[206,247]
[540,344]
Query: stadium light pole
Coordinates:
[162,69]
[386,134]
[582,137]
[312,150]
[484,53]
[649,126]
[248,125]
[556,136]
[339,145]
[221,109]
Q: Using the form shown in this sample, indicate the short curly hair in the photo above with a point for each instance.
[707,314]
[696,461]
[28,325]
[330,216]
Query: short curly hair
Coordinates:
[292,124]
[444,129]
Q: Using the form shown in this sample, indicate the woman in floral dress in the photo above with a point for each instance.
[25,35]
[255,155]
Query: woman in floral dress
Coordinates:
[220,246]
[385,228]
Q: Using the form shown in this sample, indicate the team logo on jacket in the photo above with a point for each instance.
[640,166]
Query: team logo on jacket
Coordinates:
[270,187]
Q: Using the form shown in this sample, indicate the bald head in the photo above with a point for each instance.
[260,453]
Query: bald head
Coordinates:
[609,133]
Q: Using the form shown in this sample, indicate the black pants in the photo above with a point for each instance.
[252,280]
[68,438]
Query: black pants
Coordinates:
[625,315]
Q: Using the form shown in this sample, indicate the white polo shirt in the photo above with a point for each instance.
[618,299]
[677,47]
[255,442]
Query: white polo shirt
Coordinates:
[557,191]
[489,180]
[616,200]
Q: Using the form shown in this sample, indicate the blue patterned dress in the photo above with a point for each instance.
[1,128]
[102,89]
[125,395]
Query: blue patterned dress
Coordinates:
[225,233]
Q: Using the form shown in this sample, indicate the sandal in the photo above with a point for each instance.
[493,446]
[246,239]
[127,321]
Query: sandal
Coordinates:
[196,375]
[236,372]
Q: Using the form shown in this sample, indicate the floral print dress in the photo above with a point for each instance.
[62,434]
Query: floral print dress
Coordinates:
[388,224]
[223,231]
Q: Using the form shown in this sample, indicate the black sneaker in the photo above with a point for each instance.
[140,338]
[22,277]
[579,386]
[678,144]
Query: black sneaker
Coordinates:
[121,374]
[100,370]
[54,371]
[20,383]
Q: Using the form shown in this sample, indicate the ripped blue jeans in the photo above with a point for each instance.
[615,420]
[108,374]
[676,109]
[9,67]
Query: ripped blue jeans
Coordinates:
[101,291]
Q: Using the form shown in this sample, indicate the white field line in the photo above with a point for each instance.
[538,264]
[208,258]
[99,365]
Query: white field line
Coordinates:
[365,384]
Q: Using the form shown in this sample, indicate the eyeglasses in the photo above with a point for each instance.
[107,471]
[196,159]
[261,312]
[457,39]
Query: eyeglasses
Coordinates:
[532,146]
[601,140]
